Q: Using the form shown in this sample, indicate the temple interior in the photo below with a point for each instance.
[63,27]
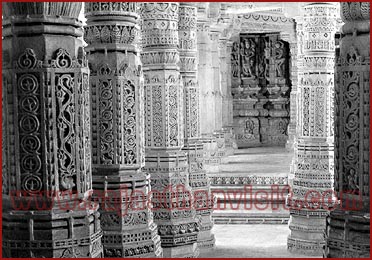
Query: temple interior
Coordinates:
[185,129]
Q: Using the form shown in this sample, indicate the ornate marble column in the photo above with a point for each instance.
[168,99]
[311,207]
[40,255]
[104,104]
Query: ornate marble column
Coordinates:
[296,52]
[314,152]
[116,79]
[297,55]
[226,103]
[199,181]
[348,227]
[212,159]
[174,211]
[215,81]
[47,185]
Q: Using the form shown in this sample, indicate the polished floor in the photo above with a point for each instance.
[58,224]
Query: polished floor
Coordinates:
[264,169]
[252,240]
[247,241]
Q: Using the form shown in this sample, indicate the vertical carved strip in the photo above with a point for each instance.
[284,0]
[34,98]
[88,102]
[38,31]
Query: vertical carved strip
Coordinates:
[348,226]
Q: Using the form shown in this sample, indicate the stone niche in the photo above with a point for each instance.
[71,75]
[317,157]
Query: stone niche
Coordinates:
[261,89]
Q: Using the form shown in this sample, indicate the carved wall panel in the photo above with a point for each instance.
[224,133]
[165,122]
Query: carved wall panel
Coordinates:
[261,89]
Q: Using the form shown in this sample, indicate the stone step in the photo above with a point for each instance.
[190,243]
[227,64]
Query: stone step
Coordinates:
[221,219]
[238,179]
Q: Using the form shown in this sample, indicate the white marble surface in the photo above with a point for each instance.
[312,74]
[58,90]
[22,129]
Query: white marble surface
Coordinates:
[259,241]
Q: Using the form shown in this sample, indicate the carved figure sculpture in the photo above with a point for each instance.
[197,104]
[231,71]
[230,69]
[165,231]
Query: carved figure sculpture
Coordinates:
[279,58]
[235,59]
[248,52]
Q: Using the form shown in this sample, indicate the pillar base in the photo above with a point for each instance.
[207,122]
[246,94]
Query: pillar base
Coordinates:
[52,234]
[352,242]
[127,224]
[206,239]
[187,251]
[230,143]
[205,245]
[200,184]
[172,202]
[305,247]
[144,243]
[212,158]
[307,232]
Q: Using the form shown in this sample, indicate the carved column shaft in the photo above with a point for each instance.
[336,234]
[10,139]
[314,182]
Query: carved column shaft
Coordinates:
[227,108]
[164,131]
[46,127]
[117,125]
[215,81]
[296,53]
[296,74]
[205,78]
[229,48]
[348,227]
[207,84]
[199,180]
[216,51]
[313,167]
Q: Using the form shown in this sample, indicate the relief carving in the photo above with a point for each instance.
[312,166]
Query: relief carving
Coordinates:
[260,78]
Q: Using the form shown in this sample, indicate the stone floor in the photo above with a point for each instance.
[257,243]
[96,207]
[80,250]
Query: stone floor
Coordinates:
[263,168]
[251,240]
[259,241]
[269,161]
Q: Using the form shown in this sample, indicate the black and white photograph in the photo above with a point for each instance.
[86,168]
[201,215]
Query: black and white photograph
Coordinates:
[185,130]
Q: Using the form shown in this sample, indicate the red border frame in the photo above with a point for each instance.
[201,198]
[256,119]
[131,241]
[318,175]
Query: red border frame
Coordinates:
[370,166]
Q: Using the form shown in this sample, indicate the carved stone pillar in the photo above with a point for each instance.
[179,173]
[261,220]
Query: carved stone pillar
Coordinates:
[205,75]
[215,81]
[348,227]
[313,168]
[46,174]
[199,181]
[117,125]
[227,112]
[207,107]
[174,211]
[215,49]
[296,53]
